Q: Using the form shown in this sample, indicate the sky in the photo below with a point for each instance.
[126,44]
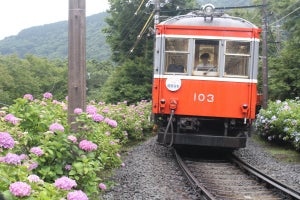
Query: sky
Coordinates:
[16,15]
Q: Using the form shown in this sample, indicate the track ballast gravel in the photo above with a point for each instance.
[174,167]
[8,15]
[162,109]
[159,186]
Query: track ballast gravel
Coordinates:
[151,172]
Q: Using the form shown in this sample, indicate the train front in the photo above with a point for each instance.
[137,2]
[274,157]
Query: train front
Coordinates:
[205,79]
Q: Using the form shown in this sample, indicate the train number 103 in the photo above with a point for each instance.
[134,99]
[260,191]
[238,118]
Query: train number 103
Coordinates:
[210,98]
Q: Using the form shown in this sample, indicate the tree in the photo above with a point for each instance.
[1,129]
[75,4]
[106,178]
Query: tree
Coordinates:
[133,48]
[126,22]
[32,75]
[283,48]
[130,82]
[97,74]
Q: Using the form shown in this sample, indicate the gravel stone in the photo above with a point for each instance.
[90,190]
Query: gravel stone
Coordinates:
[255,155]
[151,172]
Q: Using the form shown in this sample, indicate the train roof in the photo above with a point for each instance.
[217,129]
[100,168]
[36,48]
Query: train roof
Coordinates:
[220,20]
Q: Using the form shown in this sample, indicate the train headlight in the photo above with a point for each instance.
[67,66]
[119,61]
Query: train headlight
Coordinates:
[208,9]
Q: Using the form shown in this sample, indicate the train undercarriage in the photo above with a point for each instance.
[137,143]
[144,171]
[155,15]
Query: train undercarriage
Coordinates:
[202,131]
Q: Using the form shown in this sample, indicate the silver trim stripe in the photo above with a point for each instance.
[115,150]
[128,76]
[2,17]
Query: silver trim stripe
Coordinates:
[205,78]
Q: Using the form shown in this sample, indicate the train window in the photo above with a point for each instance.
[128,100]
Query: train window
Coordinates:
[176,55]
[206,57]
[237,58]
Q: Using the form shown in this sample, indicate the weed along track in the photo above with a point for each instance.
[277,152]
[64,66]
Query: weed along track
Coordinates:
[222,176]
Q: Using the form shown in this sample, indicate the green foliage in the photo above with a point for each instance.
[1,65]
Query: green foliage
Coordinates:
[31,75]
[131,82]
[280,122]
[35,75]
[97,74]
[126,22]
[106,126]
[284,73]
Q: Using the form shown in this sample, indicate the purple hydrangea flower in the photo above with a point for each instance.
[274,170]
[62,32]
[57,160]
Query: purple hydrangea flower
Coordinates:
[111,122]
[12,119]
[105,110]
[34,178]
[12,158]
[6,140]
[87,145]
[37,151]
[78,111]
[23,156]
[47,95]
[56,127]
[65,183]
[77,195]
[91,109]
[72,138]
[97,117]
[102,186]
[28,96]
[32,166]
[20,189]
[68,167]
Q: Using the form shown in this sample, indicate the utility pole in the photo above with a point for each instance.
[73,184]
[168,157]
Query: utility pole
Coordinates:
[156,12]
[264,54]
[77,59]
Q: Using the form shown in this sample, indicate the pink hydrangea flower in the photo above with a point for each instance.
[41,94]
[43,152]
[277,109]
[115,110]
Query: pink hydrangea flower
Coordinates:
[112,123]
[56,127]
[68,167]
[72,138]
[28,96]
[87,145]
[78,111]
[6,140]
[32,166]
[34,178]
[12,119]
[37,151]
[102,186]
[12,158]
[20,189]
[91,109]
[97,117]
[47,95]
[105,110]
[123,165]
[65,183]
[23,157]
[77,195]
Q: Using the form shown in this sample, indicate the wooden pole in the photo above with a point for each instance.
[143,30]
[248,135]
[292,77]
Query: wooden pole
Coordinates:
[77,59]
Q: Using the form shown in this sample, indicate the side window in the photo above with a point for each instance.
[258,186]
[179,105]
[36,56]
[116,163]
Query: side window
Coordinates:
[176,55]
[237,58]
[206,57]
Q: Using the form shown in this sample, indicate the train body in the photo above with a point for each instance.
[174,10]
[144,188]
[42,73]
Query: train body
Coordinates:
[205,104]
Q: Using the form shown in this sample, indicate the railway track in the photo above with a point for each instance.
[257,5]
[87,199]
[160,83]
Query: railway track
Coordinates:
[228,178]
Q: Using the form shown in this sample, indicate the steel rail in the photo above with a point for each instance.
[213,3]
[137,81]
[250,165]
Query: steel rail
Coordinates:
[274,183]
[193,180]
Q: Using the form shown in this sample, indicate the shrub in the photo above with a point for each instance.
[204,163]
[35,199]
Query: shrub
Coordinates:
[280,122]
[39,151]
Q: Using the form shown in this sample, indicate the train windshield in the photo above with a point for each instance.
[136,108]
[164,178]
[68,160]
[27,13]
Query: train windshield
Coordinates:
[176,55]
[206,57]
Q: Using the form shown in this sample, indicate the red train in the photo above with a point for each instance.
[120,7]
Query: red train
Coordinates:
[205,79]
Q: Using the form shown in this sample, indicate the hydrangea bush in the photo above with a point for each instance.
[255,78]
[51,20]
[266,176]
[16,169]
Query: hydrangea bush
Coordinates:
[280,122]
[41,158]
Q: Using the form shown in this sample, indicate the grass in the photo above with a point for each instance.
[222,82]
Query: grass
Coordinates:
[280,152]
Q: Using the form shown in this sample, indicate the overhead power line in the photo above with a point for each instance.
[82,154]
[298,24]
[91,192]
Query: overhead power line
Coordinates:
[285,16]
